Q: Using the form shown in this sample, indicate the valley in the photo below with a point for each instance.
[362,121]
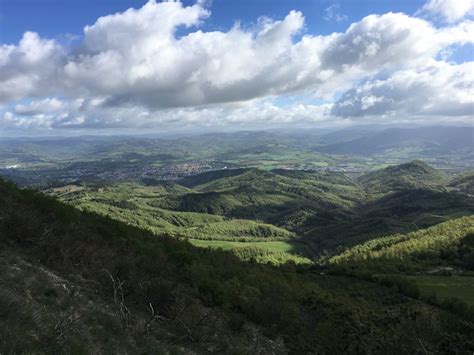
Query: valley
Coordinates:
[56,160]
[280,250]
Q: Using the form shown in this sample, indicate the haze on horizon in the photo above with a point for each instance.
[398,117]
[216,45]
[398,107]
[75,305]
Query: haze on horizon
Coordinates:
[138,67]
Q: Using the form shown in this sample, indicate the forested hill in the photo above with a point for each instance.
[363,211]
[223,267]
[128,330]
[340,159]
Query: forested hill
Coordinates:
[323,209]
[464,183]
[413,175]
[77,282]
[446,244]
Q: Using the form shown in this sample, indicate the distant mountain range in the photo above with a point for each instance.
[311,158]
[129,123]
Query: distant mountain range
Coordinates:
[424,140]
[357,141]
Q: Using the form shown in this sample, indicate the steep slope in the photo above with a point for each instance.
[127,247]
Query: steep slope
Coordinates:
[44,312]
[77,282]
[434,264]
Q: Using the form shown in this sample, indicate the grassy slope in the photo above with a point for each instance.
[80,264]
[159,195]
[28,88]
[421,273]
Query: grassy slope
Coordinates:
[42,311]
[135,205]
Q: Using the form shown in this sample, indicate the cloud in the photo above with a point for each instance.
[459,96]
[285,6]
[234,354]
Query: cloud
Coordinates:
[331,13]
[80,114]
[439,89]
[158,70]
[28,68]
[390,41]
[135,68]
[47,105]
[448,10]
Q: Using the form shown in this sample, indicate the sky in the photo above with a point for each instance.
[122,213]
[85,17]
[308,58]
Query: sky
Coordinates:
[149,66]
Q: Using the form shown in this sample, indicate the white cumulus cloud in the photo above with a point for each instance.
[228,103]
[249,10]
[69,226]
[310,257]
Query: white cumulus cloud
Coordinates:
[29,68]
[449,10]
[135,68]
[439,89]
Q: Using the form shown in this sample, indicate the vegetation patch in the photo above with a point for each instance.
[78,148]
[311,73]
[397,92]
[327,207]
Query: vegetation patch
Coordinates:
[446,287]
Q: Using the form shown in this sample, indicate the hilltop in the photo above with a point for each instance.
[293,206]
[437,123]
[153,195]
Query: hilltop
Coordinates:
[412,175]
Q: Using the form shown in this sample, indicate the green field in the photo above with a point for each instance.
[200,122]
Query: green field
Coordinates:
[276,246]
[274,252]
[443,287]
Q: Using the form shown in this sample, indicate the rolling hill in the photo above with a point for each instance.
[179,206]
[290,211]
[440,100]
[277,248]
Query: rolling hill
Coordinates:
[463,182]
[450,243]
[412,175]
[75,281]
[323,210]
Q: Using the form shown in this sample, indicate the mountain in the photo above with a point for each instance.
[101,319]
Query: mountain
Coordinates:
[330,207]
[79,282]
[424,140]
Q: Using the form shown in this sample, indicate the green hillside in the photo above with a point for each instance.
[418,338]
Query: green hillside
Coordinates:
[200,179]
[78,282]
[413,175]
[397,199]
[437,263]
[397,212]
[326,210]
[293,203]
[451,242]
[139,205]
[463,182]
